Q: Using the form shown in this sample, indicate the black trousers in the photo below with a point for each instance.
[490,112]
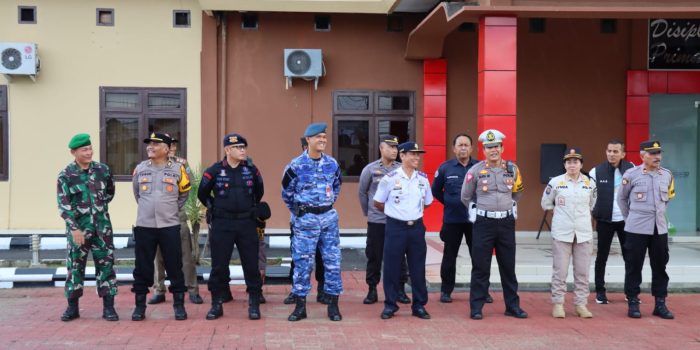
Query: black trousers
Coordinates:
[452,235]
[224,234]
[147,240]
[402,240]
[318,271]
[375,254]
[606,232]
[637,246]
[489,234]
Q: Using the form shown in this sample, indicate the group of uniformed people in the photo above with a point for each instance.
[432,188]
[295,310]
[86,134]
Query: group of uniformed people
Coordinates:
[480,201]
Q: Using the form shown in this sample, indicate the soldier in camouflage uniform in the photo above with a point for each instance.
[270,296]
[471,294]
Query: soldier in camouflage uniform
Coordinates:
[310,186]
[84,191]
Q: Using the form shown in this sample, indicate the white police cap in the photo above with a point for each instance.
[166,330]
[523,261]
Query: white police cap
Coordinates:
[491,137]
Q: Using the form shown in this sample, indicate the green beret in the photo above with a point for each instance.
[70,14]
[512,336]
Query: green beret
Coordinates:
[79,140]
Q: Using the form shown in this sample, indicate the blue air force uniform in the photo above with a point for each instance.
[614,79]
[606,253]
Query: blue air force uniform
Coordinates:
[404,199]
[309,189]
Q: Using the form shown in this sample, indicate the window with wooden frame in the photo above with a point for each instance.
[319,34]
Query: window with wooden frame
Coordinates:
[4,166]
[360,117]
[129,115]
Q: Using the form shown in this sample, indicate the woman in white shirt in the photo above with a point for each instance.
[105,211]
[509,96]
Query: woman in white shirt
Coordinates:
[571,196]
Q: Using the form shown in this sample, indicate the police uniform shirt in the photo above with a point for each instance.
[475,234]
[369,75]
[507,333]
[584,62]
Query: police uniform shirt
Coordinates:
[447,188]
[160,193]
[495,188]
[370,177]
[616,213]
[643,198]
[232,190]
[404,197]
[572,202]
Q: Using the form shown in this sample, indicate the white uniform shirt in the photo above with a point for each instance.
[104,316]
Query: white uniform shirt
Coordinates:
[572,202]
[616,212]
[404,198]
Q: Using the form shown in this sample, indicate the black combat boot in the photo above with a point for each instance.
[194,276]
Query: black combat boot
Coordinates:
[217,308]
[179,306]
[72,312]
[371,295]
[140,309]
[322,297]
[403,298]
[108,312]
[254,306]
[333,310]
[299,312]
[633,307]
[661,310]
[290,299]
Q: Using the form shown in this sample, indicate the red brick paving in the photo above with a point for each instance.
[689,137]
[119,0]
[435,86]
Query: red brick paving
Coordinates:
[30,319]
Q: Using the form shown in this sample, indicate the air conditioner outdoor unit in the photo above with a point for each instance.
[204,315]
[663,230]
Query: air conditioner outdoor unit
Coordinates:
[19,59]
[303,63]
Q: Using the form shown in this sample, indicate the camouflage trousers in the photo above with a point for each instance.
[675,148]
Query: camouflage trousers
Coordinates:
[310,231]
[102,248]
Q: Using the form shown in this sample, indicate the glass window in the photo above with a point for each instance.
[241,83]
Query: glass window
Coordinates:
[125,123]
[353,147]
[123,149]
[352,103]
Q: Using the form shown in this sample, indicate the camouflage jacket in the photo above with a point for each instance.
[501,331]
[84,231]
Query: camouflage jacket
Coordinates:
[83,195]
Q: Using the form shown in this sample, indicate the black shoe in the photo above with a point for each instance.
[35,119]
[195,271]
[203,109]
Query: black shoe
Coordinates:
[661,310]
[402,297]
[217,309]
[516,312]
[139,313]
[254,306]
[196,299]
[601,298]
[156,299]
[179,306]
[371,296]
[72,312]
[489,299]
[633,308]
[227,297]
[108,312]
[445,297]
[290,299]
[388,313]
[322,297]
[262,299]
[421,313]
[476,315]
[333,310]
[299,312]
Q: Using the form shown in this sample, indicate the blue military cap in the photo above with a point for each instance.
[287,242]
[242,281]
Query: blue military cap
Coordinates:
[235,140]
[491,138]
[314,129]
[410,147]
[650,146]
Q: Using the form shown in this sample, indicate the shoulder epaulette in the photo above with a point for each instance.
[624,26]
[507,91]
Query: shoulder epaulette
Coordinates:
[420,173]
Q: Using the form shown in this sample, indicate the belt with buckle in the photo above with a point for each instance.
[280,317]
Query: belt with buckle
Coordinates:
[494,214]
[407,223]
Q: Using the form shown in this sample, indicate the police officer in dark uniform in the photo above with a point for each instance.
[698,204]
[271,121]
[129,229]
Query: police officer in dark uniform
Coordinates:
[490,191]
[403,195]
[447,187]
[231,189]
[643,198]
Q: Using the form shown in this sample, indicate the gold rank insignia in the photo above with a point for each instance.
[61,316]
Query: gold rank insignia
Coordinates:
[656,145]
[233,139]
[490,136]
[483,172]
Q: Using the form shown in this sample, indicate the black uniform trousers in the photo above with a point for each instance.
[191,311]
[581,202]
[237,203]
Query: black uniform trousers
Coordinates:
[374,251]
[489,234]
[452,235]
[606,232]
[319,270]
[224,234]
[637,246]
[147,240]
[406,240]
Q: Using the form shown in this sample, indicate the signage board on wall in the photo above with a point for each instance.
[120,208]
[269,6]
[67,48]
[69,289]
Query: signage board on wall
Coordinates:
[674,44]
